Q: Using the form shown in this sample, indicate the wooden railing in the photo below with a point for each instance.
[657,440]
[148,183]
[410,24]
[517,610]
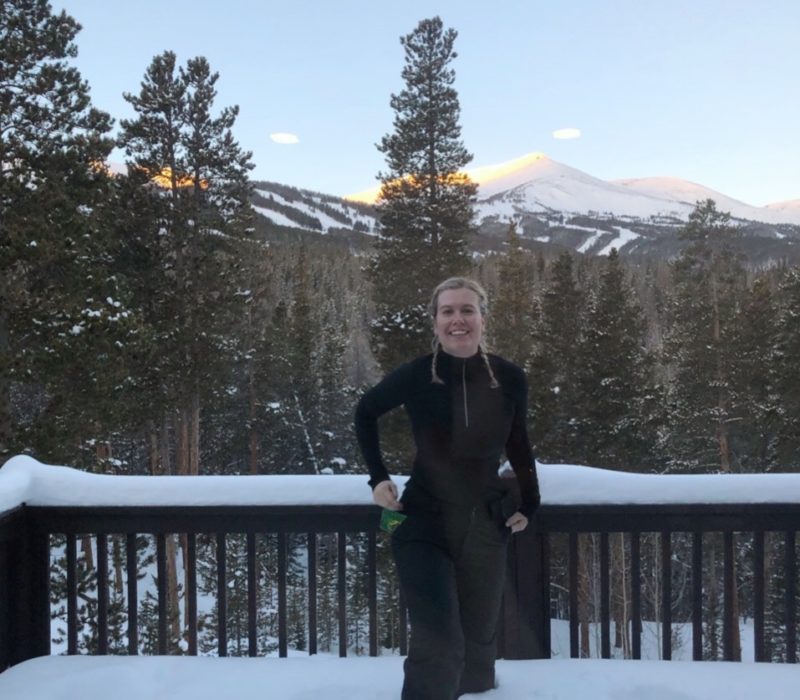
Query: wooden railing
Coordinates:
[667,522]
[525,630]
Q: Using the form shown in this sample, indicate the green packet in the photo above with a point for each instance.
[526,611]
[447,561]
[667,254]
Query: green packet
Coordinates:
[390,520]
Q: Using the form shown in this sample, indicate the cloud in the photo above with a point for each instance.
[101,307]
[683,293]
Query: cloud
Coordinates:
[565,134]
[284,137]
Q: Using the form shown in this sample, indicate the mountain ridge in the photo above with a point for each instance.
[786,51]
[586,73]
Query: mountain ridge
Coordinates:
[543,184]
[555,207]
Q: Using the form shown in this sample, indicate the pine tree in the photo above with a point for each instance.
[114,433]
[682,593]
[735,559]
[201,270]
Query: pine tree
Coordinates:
[51,144]
[701,346]
[195,178]
[788,371]
[513,313]
[556,364]
[614,375]
[425,203]
[754,440]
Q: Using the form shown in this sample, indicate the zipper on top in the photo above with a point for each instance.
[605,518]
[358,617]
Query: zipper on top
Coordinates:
[464,389]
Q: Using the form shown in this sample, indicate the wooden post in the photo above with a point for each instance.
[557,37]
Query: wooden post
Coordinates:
[30,587]
[11,533]
[526,602]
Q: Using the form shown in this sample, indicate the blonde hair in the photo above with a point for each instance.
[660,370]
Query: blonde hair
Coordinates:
[483,305]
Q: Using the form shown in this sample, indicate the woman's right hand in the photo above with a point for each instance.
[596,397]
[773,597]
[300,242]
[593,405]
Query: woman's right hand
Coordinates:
[385,495]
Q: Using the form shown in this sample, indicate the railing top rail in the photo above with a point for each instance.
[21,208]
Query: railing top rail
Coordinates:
[564,488]
[697,517]
[687,517]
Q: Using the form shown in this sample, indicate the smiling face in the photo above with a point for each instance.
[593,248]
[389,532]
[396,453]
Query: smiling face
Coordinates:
[458,323]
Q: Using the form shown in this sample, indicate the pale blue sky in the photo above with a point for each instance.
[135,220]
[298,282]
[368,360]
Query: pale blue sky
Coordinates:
[704,90]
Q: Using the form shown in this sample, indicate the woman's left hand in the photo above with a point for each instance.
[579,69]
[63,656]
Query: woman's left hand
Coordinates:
[517,522]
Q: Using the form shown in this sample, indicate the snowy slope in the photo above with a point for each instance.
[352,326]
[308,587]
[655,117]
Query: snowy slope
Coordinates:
[678,190]
[302,209]
[790,209]
[536,183]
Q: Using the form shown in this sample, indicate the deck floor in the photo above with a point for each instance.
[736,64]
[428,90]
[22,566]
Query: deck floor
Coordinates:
[360,678]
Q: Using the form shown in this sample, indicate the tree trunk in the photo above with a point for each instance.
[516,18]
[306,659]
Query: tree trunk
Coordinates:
[117,556]
[725,463]
[6,424]
[165,462]
[194,434]
[722,398]
[304,427]
[735,634]
[711,631]
[172,589]
[86,549]
[182,441]
[154,454]
[253,438]
[620,604]
[584,593]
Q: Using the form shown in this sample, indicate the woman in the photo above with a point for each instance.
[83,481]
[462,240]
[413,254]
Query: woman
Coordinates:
[466,408]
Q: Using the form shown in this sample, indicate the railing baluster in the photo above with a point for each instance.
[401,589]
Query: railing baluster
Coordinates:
[283,649]
[72,595]
[252,596]
[7,567]
[546,641]
[758,595]
[222,595]
[161,566]
[636,595]
[132,576]
[102,593]
[729,583]
[311,545]
[341,566]
[605,593]
[697,596]
[573,595]
[372,592]
[666,596]
[402,621]
[791,592]
[191,592]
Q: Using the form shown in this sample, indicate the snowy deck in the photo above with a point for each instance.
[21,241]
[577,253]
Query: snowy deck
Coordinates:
[363,678]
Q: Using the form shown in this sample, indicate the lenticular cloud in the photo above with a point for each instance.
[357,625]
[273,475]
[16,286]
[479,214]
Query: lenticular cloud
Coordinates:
[567,134]
[284,137]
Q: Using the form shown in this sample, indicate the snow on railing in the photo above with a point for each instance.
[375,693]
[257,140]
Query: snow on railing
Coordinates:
[24,480]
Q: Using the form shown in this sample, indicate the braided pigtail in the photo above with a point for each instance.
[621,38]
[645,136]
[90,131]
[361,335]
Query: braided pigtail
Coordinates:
[494,383]
[435,378]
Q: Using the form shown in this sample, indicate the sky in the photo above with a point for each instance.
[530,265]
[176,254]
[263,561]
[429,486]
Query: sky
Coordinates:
[704,90]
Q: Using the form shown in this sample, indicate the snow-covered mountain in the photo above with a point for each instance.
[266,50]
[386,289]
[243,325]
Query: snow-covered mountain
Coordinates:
[288,207]
[559,206]
[536,183]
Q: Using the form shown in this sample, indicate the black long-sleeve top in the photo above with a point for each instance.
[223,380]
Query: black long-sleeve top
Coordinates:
[461,429]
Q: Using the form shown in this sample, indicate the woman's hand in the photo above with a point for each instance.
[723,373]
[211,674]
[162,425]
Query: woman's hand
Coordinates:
[385,495]
[517,522]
